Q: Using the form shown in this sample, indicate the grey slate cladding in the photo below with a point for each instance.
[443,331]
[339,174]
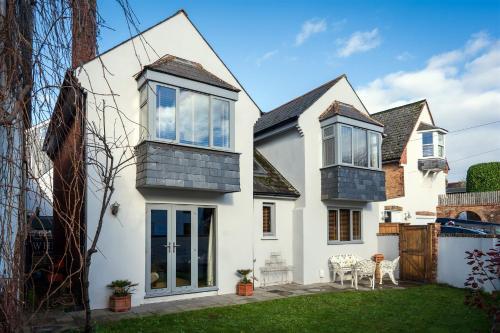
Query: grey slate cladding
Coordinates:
[164,165]
[349,183]
[431,164]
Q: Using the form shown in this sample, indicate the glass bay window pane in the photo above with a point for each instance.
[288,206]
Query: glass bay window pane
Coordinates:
[193,118]
[346,144]
[360,149]
[374,149]
[165,113]
[220,123]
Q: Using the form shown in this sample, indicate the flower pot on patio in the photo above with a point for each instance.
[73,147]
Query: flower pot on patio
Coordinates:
[120,303]
[245,289]
[120,300]
[245,286]
[378,257]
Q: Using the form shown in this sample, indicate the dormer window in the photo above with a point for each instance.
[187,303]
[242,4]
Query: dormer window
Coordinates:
[433,144]
[184,104]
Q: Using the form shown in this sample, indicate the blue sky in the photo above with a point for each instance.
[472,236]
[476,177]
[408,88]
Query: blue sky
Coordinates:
[281,49]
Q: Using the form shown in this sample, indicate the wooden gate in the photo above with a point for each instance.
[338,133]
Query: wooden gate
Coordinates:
[417,250]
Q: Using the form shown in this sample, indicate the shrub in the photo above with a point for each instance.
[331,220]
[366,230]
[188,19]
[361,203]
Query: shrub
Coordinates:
[484,177]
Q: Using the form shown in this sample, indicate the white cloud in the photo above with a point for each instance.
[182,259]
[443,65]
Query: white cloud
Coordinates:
[359,41]
[309,28]
[463,90]
[265,57]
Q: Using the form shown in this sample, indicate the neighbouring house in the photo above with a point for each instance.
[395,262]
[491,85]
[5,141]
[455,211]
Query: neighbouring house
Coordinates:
[414,160]
[217,186]
[329,149]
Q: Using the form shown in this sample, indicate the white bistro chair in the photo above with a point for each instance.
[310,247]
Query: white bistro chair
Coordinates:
[365,269]
[388,267]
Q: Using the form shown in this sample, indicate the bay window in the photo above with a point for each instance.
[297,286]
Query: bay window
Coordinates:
[344,144]
[185,116]
[433,144]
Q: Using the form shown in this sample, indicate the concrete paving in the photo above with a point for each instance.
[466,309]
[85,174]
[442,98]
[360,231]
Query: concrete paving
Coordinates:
[58,321]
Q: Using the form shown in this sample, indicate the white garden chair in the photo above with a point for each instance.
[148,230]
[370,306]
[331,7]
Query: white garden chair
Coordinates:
[365,268]
[388,267]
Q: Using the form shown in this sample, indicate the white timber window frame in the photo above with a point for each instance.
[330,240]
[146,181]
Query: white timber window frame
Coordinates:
[337,133]
[148,113]
[436,147]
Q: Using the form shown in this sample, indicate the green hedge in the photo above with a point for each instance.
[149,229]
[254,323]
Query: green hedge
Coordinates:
[484,177]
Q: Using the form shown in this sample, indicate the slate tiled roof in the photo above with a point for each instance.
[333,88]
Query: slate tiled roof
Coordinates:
[268,181]
[399,123]
[427,127]
[292,109]
[189,70]
[347,110]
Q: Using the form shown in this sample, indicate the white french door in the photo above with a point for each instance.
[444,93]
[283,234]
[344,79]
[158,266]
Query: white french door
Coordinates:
[180,248]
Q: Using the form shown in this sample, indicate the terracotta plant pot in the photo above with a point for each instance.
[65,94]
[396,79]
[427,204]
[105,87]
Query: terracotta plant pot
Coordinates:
[245,289]
[119,303]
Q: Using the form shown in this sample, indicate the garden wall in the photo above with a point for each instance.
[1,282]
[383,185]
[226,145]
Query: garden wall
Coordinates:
[452,265]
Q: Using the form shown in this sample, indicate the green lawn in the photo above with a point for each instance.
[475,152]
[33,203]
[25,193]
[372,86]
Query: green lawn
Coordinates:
[429,308]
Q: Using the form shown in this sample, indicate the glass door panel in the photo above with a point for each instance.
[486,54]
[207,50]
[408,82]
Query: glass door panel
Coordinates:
[159,248]
[182,248]
[206,247]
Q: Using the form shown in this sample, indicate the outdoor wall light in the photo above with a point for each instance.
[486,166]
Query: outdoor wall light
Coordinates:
[114,208]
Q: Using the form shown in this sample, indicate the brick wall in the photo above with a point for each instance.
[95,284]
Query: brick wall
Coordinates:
[487,213]
[394,180]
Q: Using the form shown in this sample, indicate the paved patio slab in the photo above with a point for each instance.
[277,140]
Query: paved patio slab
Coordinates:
[58,321]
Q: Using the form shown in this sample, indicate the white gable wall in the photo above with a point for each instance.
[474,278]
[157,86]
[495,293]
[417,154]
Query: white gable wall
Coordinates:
[299,159]
[421,190]
[122,243]
[315,225]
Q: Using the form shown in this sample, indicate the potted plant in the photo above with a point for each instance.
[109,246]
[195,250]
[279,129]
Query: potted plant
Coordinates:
[120,301]
[245,286]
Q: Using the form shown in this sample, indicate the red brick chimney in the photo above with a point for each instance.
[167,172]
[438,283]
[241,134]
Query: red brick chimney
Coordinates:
[84,28]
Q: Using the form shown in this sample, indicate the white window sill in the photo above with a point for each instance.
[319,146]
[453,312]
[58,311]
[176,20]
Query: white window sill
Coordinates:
[345,242]
[269,238]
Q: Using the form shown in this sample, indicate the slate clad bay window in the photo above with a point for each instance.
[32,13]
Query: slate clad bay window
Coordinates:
[185,116]
[344,225]
[268,220]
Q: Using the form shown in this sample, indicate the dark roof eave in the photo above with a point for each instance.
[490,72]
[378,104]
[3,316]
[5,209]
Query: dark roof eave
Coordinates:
[147,67]
[275,194]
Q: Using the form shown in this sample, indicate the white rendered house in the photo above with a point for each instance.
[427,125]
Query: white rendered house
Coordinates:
[328,147]
[201,202]
[414,159]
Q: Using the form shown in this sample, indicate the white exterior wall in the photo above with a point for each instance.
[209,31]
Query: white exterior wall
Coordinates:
[421,191]
[452,266]
[123,240]
[388,245]
[284,151]
[283,240]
